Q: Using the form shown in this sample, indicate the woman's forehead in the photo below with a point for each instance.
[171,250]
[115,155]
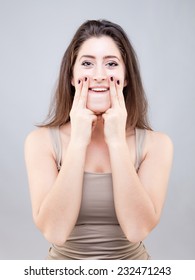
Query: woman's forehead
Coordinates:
[103,46]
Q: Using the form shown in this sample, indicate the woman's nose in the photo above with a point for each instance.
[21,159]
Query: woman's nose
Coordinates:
[99,74]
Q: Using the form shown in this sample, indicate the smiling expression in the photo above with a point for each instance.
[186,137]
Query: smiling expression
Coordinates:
[99,59]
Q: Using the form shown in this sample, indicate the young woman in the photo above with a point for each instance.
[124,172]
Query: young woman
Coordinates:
[97,172]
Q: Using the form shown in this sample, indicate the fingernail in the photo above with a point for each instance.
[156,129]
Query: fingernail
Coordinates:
[85,79]
[112,79]
[79,81]
[118,82]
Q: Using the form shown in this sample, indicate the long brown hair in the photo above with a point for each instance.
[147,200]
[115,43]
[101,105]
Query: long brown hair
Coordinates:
[135,99]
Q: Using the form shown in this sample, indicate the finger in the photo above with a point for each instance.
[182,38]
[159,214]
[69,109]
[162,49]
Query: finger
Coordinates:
[78,87]
[84,92]
[106,114]
[94,122]
[120,95]
[113,93]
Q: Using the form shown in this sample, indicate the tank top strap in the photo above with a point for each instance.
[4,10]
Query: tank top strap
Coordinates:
[140,135]
[57,146]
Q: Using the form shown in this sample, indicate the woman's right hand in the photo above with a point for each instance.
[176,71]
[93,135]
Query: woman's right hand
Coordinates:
[82,119]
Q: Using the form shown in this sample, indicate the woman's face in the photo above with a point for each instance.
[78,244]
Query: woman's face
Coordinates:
[99,59]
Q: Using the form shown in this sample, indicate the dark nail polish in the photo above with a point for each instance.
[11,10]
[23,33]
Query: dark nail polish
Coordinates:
[79,81]
[112,79]
[85,79]
[118,82]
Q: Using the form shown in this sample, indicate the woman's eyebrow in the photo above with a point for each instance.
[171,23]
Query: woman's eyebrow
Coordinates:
[105,57]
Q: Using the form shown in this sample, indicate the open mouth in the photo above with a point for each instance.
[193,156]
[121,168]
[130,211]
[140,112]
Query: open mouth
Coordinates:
[98,89]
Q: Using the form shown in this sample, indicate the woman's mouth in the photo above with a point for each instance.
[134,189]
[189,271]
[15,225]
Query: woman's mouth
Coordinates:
[98,90]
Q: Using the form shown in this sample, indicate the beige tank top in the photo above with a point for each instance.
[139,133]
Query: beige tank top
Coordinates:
[97,234]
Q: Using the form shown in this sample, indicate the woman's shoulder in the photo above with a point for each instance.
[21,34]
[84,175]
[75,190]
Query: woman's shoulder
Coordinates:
[157,137]
[38,138]
[37,134]
[41,137]
[158,142]
[151,137]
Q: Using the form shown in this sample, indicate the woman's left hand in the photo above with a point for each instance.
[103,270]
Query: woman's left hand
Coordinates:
[116,116]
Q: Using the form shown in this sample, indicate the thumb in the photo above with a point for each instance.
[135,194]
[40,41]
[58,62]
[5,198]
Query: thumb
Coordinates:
[94,122]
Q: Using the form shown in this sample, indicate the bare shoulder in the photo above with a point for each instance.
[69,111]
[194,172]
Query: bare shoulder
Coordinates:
[158,139]
[159,143]
[38,140]
[37,135]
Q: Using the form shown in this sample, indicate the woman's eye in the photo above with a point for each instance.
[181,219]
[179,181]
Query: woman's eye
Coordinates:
[86,63]
[112,64]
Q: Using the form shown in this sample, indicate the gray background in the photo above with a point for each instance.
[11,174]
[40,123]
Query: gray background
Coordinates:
[34,35]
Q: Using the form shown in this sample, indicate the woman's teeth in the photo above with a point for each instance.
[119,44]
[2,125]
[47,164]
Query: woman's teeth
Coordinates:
[99,89]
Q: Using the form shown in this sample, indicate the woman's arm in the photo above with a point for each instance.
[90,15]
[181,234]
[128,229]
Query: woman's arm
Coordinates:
[139,198]
[56,198]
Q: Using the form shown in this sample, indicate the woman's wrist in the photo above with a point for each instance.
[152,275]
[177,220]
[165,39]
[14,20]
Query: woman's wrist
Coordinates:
[117,144]
[77,145]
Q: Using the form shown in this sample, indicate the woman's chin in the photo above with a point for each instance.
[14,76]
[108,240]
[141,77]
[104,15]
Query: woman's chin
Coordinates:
[98,110]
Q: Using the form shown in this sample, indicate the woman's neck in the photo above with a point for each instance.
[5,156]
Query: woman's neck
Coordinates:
[98,130]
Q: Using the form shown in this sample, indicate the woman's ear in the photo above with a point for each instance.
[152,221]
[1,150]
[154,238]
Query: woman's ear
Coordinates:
[72,82]
[125,83]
